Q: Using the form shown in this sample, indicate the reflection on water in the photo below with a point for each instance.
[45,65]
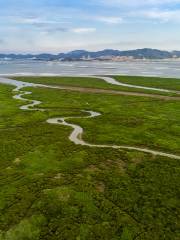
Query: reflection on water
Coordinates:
[168,68]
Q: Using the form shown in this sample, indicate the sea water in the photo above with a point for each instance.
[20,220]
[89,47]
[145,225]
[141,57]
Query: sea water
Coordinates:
[160,68]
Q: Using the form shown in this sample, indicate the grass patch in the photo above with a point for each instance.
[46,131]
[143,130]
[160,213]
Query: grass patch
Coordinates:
[99,83]
[156,82]
[51,189]
[125,120]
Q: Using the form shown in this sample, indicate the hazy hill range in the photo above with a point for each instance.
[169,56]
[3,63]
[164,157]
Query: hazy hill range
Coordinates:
[146,53]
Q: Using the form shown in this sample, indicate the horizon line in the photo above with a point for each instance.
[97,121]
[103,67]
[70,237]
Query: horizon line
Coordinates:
[69,51]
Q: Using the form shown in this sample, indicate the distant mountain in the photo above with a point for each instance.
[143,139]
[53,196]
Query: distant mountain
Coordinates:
[176,54]
[107,54]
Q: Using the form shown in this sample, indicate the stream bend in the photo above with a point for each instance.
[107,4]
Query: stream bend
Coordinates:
[76,135]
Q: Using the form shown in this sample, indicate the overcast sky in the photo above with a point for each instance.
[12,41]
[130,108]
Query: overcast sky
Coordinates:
[64,25]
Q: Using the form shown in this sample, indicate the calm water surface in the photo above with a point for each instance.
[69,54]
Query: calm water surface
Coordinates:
[145,68]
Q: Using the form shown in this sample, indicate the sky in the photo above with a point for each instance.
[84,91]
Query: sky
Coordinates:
[34,26]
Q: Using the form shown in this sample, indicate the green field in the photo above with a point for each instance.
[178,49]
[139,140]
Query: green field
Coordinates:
[172,84]
[166,83]
[51,189]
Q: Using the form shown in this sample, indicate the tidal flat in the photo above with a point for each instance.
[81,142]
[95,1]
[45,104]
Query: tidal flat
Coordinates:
[52,188]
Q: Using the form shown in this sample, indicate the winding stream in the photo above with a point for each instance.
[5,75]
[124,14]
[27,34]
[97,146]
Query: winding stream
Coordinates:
[76,135]
[114,82]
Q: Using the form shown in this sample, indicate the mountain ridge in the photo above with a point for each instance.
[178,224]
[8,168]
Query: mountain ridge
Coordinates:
[144,53]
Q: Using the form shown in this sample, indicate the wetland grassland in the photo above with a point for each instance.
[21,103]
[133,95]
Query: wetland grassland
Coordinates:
[52,189]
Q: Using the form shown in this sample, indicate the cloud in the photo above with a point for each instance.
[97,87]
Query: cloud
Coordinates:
[37,21]
[110,20]
[137,2]
[47,30]
[88,24]
[44,26]
[160,15]
[83,30]
[66,30]
[54,30]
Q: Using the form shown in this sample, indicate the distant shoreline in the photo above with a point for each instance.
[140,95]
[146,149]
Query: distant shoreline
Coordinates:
[104,55]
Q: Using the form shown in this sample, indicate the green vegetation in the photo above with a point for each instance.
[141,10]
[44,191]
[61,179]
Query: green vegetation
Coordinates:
[99,83]
[51,189]
[69,81]
[166,83]
[134,121]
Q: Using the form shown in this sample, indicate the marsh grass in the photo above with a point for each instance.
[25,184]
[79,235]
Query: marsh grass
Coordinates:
[172,84]
[62,191]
